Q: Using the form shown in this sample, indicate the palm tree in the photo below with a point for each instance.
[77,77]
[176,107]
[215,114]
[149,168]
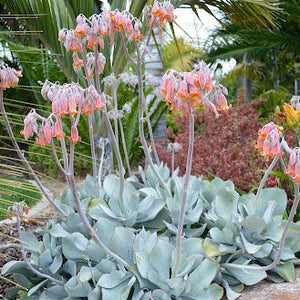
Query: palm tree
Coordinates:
[275,50]
[46,17]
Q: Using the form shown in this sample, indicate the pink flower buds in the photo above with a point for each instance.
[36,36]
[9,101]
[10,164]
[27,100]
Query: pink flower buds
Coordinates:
[183,89]
[8,77]
[293,168]
[269,140]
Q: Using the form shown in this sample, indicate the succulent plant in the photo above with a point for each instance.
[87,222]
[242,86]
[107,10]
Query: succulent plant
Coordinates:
[224,234]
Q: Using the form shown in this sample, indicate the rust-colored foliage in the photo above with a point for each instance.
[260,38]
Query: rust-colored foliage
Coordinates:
[224,146]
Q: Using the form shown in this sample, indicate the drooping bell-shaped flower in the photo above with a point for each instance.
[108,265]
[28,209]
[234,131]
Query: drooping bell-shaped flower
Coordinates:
[269,140]
[8,76]
[74,135]
[293,168]
[58,130]
[82,29]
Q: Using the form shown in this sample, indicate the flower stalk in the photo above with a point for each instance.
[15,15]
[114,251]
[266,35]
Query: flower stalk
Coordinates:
[22,156]
[185,190]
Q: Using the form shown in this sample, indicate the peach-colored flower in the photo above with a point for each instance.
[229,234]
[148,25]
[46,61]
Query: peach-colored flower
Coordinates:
[77,62]
[293,169]
[74,135]
[72,106]
[92,40]
[58,130]
[47,129]
[98,104]
[162,12]
[269,140]
[8,77]
[27,132]
[81,29]
[86,107]
[41,140]
[182,90]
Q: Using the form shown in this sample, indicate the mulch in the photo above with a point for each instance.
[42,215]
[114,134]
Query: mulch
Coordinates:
[8,233]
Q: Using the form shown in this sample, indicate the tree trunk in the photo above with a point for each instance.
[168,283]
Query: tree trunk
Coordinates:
[247,82]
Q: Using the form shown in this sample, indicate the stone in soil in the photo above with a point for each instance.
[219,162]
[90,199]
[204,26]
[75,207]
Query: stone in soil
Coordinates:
[273,291]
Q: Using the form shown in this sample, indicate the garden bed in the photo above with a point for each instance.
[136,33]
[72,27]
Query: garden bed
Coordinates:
[8,234]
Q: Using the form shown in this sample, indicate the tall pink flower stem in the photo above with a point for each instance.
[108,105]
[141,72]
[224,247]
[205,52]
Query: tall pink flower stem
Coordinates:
[110,130]
[142,100]
[90,120]
[141,127]
[124,147]
[61,168]
[22,156]
[64,152]
[265,177]
[144,104]
[185,188]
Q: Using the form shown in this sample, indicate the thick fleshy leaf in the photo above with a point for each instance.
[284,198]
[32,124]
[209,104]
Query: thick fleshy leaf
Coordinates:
[58,231]
[207,267]
[121,243]
[244,274]
[113,279]
[91,187]
[250,247]
[253,224]
[57,263]
[211,248]
[74,288]
[286,270]
[230,293]
[225,205]
[55,293]
[74,246]
[45,259]
[95,294]
[36,288]
[30,241]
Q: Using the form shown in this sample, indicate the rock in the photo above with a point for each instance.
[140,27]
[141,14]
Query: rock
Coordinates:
[267,290]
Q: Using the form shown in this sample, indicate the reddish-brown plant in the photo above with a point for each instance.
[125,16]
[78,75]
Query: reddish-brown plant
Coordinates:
[224,146]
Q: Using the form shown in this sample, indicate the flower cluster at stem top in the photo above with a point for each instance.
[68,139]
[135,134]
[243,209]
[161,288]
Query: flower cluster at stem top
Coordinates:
[271,142]
[8,76]
[90,32]
[182,90]
[68,99]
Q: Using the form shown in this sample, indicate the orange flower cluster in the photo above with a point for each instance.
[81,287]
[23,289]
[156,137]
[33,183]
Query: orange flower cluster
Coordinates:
[8,77]
[192,89]
[90,32]
[293,168]
[68,99]
[162,12]
[269,140]
[45,132]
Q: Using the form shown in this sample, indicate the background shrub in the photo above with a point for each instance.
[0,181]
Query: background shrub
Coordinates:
[223,146]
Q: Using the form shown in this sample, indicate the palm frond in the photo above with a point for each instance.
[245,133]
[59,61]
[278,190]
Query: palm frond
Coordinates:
[255,13]
[180,56]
